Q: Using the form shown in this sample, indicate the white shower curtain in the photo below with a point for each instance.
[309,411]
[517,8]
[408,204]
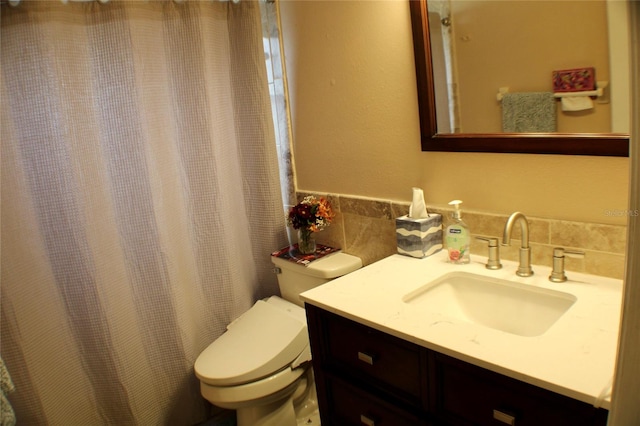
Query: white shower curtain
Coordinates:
[140,202]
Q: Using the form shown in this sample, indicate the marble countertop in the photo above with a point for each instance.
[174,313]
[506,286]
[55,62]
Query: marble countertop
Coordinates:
[575,357]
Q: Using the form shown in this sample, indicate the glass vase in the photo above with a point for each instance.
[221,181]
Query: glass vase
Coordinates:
[306,242]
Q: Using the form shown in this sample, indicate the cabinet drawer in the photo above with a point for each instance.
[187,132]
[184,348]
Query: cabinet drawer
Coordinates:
[467,394]
[374,357]
[353,406]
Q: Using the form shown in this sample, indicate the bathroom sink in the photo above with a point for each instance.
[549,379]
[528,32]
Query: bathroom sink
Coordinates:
[512,307]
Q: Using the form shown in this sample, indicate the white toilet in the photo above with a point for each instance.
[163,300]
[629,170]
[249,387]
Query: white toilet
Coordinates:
[260,366]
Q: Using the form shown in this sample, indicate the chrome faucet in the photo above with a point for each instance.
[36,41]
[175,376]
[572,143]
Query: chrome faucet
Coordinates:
[524,270]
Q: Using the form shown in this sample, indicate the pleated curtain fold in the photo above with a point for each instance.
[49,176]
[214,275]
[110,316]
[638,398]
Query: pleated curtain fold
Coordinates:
[140,201]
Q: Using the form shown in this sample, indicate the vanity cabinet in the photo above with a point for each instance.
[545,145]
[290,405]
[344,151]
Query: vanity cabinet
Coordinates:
[367,377]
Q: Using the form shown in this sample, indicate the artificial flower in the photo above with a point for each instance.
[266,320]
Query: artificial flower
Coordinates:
[311,214]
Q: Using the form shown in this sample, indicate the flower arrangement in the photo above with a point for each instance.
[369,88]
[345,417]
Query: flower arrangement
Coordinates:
[311,214]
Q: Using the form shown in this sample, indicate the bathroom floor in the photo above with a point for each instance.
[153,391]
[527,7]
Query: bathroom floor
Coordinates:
[229,419]
[312,420]
[224,418]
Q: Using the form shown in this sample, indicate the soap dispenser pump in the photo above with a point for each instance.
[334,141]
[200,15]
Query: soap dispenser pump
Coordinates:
[458,237]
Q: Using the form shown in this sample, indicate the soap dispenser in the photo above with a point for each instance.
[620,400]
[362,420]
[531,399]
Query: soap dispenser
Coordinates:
[458,237]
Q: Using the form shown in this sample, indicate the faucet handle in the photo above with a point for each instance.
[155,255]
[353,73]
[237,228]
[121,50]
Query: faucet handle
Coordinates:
[493,242]
[493,261]
[559,253]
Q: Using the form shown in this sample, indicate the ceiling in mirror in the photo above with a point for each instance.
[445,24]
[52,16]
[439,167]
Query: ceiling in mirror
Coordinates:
[478,62]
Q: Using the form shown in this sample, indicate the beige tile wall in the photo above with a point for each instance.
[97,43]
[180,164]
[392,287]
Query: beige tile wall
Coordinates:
[366,228]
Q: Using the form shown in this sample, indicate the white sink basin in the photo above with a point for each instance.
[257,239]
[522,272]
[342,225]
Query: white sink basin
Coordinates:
[512,307]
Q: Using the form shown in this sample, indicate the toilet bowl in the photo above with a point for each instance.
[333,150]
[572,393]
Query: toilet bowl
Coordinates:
[261,366]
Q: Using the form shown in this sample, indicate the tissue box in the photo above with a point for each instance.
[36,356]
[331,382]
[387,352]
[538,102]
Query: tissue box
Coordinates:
[419,237]
[574,80]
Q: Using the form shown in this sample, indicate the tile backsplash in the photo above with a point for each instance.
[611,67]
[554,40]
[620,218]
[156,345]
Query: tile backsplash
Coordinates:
[365,227]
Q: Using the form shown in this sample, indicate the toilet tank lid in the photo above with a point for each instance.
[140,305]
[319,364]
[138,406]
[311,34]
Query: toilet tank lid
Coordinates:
[331,266]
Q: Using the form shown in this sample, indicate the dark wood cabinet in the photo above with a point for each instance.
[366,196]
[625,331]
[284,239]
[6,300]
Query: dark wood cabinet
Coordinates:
[349,404]
[367,377]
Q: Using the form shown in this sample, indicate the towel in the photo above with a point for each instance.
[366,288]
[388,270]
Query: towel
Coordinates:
[7,415]
[576,103]
[528,112]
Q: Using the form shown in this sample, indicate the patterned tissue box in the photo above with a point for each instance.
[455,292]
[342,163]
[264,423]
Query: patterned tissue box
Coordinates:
[574,80]
[419,237]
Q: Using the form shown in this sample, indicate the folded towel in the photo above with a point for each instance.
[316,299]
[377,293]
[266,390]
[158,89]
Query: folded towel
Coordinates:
[576,103]
[528,112]
[7,415]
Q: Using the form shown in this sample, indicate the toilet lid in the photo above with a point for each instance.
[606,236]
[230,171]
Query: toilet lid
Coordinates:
[262,341]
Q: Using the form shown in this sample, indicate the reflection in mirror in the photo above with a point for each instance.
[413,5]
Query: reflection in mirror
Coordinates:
[482,47]
[465,80]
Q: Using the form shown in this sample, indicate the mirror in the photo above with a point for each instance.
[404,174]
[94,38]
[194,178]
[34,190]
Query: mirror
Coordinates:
[604,144]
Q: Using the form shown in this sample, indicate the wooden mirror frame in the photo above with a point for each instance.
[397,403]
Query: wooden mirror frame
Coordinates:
[603,144]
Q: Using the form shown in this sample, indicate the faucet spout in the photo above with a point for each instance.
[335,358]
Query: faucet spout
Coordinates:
[524,270]
[524,229]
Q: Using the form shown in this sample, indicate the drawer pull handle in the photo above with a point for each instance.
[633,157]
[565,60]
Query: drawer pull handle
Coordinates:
[364,357]
[504,417]
[367,421]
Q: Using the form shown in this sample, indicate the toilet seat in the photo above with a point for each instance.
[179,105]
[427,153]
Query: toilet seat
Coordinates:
[272,387]
[260,342]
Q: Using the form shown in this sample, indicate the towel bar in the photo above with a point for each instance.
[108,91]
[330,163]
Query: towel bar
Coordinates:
[599,92]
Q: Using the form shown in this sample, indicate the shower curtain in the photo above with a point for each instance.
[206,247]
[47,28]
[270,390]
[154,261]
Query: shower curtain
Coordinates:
[140,202]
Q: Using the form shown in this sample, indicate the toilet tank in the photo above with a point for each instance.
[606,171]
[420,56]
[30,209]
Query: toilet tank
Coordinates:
[294,278]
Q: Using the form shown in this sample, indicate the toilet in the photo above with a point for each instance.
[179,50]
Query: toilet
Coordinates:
[261,366]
